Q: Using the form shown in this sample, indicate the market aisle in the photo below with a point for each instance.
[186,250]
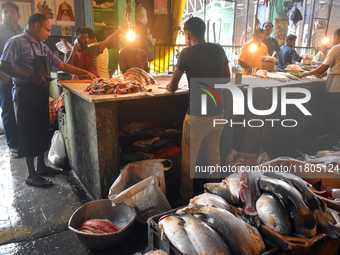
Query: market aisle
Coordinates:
[34,220]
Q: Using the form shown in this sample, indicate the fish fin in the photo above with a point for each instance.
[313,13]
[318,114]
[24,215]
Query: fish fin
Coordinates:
[271,220]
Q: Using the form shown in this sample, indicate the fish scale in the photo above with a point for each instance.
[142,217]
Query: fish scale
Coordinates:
[235,232]
[176,234]
[303,221]
[203,237]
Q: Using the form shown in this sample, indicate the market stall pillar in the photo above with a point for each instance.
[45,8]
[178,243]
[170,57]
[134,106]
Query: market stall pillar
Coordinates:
[92,142]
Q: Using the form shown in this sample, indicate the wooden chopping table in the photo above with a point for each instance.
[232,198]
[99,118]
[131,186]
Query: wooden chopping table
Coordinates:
[91,123]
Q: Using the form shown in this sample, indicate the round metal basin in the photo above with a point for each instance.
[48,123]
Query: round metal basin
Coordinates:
[122,215]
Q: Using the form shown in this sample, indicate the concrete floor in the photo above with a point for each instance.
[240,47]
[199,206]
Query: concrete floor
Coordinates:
[34,220]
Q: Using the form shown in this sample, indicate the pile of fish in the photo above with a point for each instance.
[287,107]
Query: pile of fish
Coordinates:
[282,201]
[98,226]
[150,140]
[139,74]
[279,76]
[133,80]
[324,157]
[208,225]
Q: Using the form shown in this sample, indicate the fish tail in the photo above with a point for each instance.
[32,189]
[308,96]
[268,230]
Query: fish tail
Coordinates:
[329,229]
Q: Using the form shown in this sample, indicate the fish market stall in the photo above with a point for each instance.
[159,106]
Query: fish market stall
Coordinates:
[90,127]
[91,123]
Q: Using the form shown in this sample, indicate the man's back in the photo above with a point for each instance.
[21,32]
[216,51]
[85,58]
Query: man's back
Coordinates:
[286,56]
[205,60]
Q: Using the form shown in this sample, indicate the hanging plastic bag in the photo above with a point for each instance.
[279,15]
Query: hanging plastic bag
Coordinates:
[295,15]
[57,154]
[141,185]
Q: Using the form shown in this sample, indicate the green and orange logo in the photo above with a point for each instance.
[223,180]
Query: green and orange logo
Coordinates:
[204,97]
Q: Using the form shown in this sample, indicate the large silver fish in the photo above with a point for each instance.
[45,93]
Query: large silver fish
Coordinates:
[303,220]
[203,237]
[274,214]
[234,230]
[212,200]
[222,190]
[172,226]
[314,204]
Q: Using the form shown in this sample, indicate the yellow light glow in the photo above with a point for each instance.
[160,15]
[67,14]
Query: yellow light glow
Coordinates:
[325,40]
[253,47]
[131,35]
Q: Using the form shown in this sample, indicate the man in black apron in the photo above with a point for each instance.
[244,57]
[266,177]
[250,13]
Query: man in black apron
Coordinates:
[27,60]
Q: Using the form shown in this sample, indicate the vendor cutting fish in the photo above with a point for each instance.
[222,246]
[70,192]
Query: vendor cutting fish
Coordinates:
[30,73]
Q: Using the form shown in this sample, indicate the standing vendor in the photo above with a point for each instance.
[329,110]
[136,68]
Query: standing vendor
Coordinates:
[133,56]
[252,51]
[200,60]
[331,67]
[288,53]
[270,42]
[81,49]
[9,27]
[83,56]
[27,60]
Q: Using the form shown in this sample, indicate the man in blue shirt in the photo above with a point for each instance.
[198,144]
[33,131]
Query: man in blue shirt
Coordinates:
[27,59]
[288,53]
[9,27]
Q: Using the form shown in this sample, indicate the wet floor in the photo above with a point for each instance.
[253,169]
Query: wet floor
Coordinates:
[34,220]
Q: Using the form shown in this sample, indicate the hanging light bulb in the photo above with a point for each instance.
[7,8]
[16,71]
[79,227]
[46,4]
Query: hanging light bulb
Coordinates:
[253,47]
[131,35]
[325,40]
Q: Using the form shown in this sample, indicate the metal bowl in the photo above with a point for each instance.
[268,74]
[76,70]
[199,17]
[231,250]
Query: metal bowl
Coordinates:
[122,215]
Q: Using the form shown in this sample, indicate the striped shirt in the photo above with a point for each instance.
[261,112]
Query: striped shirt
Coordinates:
[18,52]
[93,50]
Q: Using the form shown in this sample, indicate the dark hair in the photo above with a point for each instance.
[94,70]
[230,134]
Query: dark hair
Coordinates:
[259,31]
[36,17]
[10,4]
[195,26]
[290,38]
[337,32]
[267,22]
[90,32]
[81,30]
